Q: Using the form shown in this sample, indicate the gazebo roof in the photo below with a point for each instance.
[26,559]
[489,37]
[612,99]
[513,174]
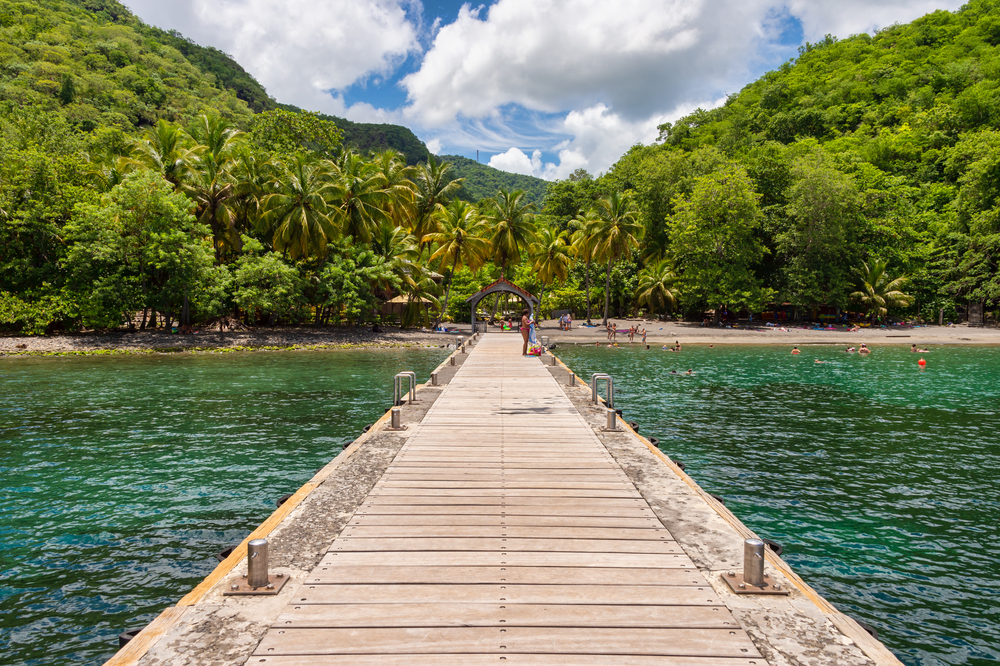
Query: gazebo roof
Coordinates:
[501,285]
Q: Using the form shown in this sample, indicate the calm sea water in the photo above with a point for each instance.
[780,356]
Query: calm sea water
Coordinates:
[121,477]
[882,481]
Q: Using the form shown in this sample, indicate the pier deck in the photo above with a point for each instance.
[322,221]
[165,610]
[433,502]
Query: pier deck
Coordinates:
[504,530]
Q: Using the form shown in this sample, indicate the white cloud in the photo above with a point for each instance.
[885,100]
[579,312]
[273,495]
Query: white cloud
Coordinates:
[515,161]
[299,49]
[434,146]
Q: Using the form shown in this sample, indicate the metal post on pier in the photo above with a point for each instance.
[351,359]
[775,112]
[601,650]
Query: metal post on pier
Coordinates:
[753,562]
[571,380]
[602,377]
[397,386]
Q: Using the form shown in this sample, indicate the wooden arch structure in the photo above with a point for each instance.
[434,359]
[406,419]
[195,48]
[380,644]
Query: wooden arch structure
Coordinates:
[502,285]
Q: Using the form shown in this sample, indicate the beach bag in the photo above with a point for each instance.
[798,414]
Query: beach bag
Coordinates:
[536,350]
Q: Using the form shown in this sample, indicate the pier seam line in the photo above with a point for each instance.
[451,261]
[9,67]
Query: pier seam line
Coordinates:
[875,649]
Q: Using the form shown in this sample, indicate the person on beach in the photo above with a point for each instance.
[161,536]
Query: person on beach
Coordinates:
[608,327]
[631,334]
[525,326]
[614,331]
[644,338]
[569,322]
[795,351]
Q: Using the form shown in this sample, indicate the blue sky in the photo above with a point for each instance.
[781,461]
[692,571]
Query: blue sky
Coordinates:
[537,86]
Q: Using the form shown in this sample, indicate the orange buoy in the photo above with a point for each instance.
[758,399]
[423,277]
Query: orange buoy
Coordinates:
[921,363]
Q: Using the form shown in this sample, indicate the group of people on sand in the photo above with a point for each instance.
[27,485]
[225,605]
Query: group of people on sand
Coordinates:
[565,322]
[634,330]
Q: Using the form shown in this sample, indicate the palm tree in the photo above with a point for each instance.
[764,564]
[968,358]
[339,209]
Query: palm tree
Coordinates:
[617,231]
[434,186]
[164,148]
[877,291]
[512,227]
[460,242]
[298,216]
[397,248]
[361,188]
[419,287]
[398,184]
[584,243]
[656,286]
[552,258]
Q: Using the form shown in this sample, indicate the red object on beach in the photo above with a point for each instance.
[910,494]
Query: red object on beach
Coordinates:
[921,363]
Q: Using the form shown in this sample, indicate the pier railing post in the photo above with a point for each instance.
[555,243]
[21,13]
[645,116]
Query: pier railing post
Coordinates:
[599,377]
[612,419]
[571,380]
[257,563]
[434,379]
[394,423]
[753,562]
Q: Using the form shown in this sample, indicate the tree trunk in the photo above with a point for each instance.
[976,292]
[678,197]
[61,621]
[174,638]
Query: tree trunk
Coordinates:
[186,312]
[447,294]
[541,298]
[145,313]
[607,292]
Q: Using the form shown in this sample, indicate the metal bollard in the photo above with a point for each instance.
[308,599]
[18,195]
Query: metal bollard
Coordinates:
[463,349]
[257,563]
[434,379]
[599,377]
[394,424]
[451,360]
[571,380]
[553,360]
[753,562]
[612,420]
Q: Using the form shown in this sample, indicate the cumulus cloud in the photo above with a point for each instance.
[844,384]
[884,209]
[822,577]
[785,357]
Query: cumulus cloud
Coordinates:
[299,49]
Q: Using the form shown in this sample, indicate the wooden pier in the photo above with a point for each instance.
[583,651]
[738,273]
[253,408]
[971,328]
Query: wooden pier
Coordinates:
[503,530]
[503,525]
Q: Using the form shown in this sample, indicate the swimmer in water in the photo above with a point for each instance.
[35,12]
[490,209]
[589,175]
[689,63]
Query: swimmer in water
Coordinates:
[689,372]
[673,372]
[923,351]
[864,350]
[795,351]
[913,348]
[819,361]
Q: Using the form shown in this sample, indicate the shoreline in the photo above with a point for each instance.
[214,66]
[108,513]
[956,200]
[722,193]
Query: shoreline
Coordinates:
[306,339]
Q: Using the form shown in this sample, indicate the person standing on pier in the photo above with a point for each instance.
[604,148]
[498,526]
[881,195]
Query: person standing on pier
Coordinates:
[525,326]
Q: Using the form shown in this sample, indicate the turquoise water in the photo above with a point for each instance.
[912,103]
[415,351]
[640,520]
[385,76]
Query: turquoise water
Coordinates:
[121,477]
[881,480]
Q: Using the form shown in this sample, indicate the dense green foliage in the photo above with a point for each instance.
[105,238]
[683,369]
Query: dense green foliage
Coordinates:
[482,180]
[870,148]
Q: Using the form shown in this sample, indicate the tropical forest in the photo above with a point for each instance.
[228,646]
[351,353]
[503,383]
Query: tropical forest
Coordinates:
[148,182]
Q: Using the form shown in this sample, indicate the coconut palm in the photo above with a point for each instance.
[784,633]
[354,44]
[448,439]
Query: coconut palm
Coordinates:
[512,226]
[876,291]
[165,148]
[551,258]
[433,186]
[419,287]
[364,200]
[460,242]
[398,184]
[618,233]
[397,248]
[298,216]
[584,243]
[656,287]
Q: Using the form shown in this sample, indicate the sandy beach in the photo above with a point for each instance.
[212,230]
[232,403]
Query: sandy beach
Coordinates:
[658,334]
[264,339]
[667,333]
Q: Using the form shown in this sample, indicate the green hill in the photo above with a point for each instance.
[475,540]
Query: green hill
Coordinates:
[874,146]
[483,181]
[95,64]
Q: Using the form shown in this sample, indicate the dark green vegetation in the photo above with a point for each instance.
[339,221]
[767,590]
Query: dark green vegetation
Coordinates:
[873,147]
[163,462]
[860,176]
[482,181]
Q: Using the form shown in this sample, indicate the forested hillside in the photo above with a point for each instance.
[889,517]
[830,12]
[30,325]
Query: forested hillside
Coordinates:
[866,148]
[482,180]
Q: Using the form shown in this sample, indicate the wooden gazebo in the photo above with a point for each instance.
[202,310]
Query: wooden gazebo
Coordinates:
[499,286]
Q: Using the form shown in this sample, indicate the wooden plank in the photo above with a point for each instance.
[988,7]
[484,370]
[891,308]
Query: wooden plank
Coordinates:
[644,595]
[548,502]
[471,558]
[466,531]
[680,642]
[512,484]
[483,520]
[576,509]
[469,659]
[506,615]
[496,574]
[508,544]
[502,491]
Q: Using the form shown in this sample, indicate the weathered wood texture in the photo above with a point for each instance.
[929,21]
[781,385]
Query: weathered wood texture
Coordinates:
[504,530]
